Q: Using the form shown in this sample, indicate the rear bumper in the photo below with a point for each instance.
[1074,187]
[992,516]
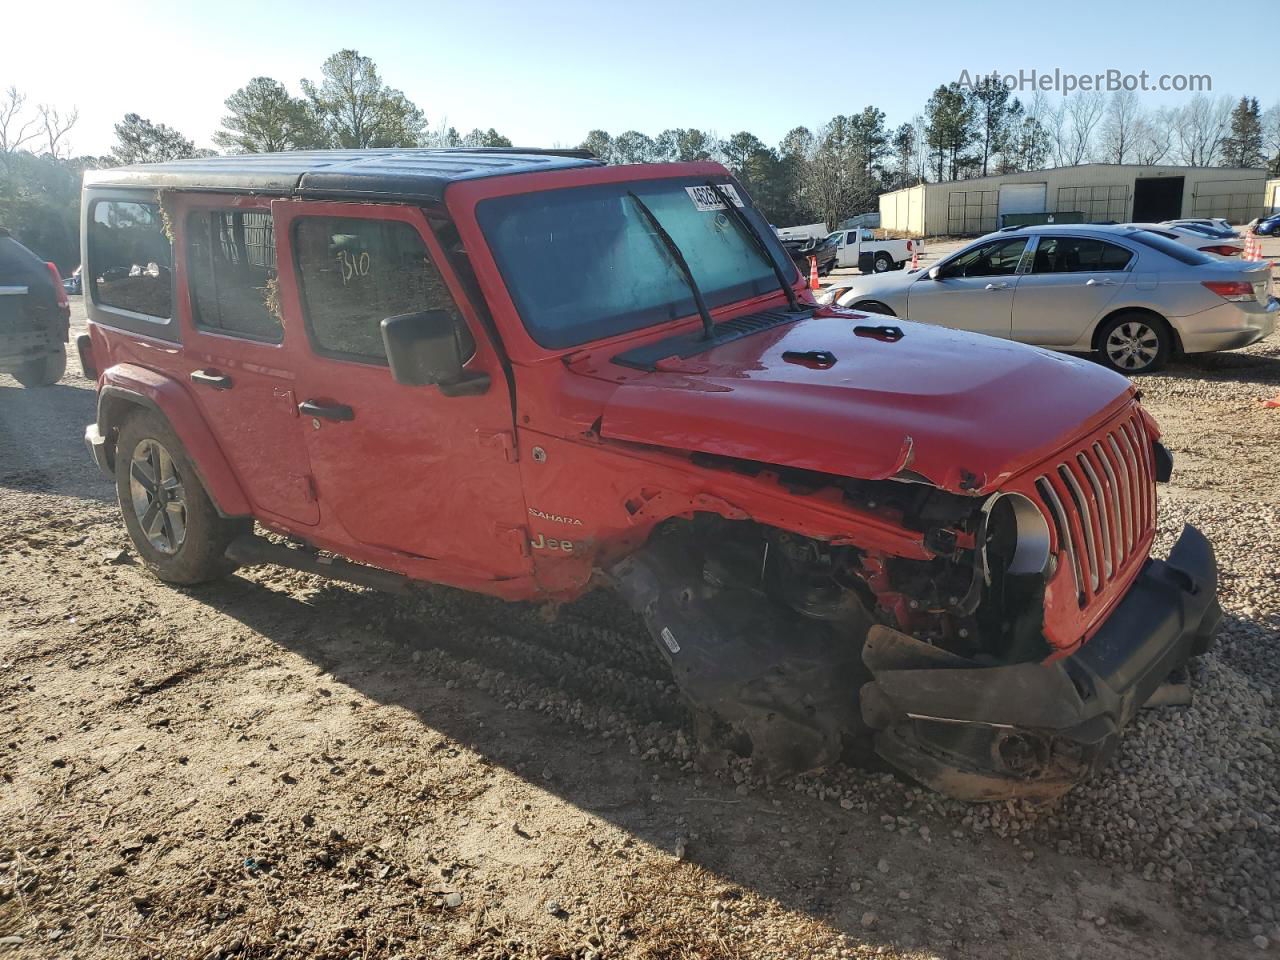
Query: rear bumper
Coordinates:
[1031,729]
[1228,326]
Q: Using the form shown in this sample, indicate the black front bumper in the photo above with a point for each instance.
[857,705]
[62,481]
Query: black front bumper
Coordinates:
[1032,729]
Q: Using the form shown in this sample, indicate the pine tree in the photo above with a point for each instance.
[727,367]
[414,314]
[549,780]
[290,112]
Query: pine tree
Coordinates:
[1243,148]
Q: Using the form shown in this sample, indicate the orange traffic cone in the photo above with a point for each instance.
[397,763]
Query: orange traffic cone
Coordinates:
[915,255]
[813,273]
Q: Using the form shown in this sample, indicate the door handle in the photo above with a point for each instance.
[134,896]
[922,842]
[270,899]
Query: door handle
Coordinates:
[997,286]
[334,411]
[1095,282]
[219,381]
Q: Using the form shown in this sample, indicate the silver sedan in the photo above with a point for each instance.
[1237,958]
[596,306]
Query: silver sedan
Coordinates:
[1132,296]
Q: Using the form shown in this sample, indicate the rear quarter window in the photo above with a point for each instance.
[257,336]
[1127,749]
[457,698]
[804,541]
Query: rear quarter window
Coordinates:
[1171,248]
[130,258]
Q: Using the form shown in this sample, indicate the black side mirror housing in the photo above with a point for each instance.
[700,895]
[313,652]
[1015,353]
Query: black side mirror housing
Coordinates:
[426,349]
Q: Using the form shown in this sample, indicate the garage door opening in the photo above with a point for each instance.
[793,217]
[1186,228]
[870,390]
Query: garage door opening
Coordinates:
[1021,198]
[1156,199]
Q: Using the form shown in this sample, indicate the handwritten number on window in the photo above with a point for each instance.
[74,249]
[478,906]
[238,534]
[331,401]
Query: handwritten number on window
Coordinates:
[352,266]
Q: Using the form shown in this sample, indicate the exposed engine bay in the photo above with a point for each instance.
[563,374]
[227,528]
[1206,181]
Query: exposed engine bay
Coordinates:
[799,653]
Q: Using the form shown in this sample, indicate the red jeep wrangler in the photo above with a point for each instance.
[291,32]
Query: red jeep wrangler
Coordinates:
[527,373]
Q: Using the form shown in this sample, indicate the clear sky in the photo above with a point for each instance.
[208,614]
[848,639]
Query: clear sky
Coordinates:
[544,74]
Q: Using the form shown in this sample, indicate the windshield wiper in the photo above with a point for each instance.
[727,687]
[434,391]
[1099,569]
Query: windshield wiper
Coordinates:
[743,223]
[708,331]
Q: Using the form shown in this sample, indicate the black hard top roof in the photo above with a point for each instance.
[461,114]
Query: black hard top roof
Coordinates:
[399,173]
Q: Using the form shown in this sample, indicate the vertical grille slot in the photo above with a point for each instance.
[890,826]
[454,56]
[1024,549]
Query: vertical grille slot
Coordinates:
[1066,542]
[1094,562]
[1101,501]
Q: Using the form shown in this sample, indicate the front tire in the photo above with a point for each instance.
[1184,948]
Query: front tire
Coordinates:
[1135,343]
[44,372]
[172,522]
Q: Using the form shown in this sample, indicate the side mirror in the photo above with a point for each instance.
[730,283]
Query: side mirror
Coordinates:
[427,348]
[935,272]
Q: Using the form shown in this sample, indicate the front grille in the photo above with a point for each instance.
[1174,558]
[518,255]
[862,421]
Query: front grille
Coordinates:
[1101,502]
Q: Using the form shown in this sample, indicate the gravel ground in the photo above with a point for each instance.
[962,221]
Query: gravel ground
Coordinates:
[282,767]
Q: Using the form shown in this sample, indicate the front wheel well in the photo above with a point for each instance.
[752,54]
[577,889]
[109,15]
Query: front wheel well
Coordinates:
[873,306]
[1096,339]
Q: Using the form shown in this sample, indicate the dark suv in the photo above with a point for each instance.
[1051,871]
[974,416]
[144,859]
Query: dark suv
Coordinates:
[34,316]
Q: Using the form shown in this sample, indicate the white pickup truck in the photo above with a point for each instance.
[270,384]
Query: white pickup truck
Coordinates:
[852,246]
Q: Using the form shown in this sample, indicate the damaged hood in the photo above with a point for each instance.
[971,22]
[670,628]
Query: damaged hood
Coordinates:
[961,410]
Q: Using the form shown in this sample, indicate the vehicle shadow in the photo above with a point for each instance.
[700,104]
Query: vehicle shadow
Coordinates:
[943,894]
[1228,365]
[41,440]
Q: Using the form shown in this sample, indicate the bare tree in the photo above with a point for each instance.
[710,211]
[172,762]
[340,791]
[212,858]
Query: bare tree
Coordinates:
[1120,124]
[1153,136]
[920,150]
[56,127]
[1271,138]
[1072,126]
[14,129]
[1199,129]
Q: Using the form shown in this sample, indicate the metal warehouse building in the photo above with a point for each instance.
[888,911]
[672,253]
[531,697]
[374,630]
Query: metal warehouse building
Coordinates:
[1092,191]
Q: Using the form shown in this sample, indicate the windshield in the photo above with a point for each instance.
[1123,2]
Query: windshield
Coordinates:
[583,263]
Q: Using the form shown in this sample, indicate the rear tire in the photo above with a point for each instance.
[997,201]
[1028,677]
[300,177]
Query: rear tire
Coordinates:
[44,372]
[883,263]
[1134,343]
[172,522]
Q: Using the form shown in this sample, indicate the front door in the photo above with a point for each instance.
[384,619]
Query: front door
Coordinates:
[401,469]
[240,366]
[973,290]
[1072,280]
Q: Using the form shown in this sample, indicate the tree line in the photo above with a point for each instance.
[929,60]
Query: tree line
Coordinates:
[824,174]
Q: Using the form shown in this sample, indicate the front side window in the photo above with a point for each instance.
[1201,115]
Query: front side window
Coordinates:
[995,258]
[353,273]
[231,266]
[584,263]
[130,258]
[1078,255]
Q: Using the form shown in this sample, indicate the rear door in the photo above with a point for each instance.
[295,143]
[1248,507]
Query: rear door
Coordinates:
[400,469]
[1071,282]
[238,361]
[973,291]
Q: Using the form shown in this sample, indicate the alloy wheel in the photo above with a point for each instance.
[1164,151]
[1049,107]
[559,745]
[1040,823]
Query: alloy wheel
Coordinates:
[158,497]
[1133,346]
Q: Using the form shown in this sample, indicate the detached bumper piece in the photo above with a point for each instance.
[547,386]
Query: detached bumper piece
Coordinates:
[1034,730]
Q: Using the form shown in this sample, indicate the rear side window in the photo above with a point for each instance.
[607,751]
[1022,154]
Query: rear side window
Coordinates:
[231,266]
[1170,248]
[130,258]
[1078,255]
[353,273]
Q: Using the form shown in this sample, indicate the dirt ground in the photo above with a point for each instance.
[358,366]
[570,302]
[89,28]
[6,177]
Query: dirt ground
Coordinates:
[275,766]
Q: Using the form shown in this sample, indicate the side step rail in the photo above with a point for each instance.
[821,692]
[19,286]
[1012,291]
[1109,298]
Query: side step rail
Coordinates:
[252,551]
